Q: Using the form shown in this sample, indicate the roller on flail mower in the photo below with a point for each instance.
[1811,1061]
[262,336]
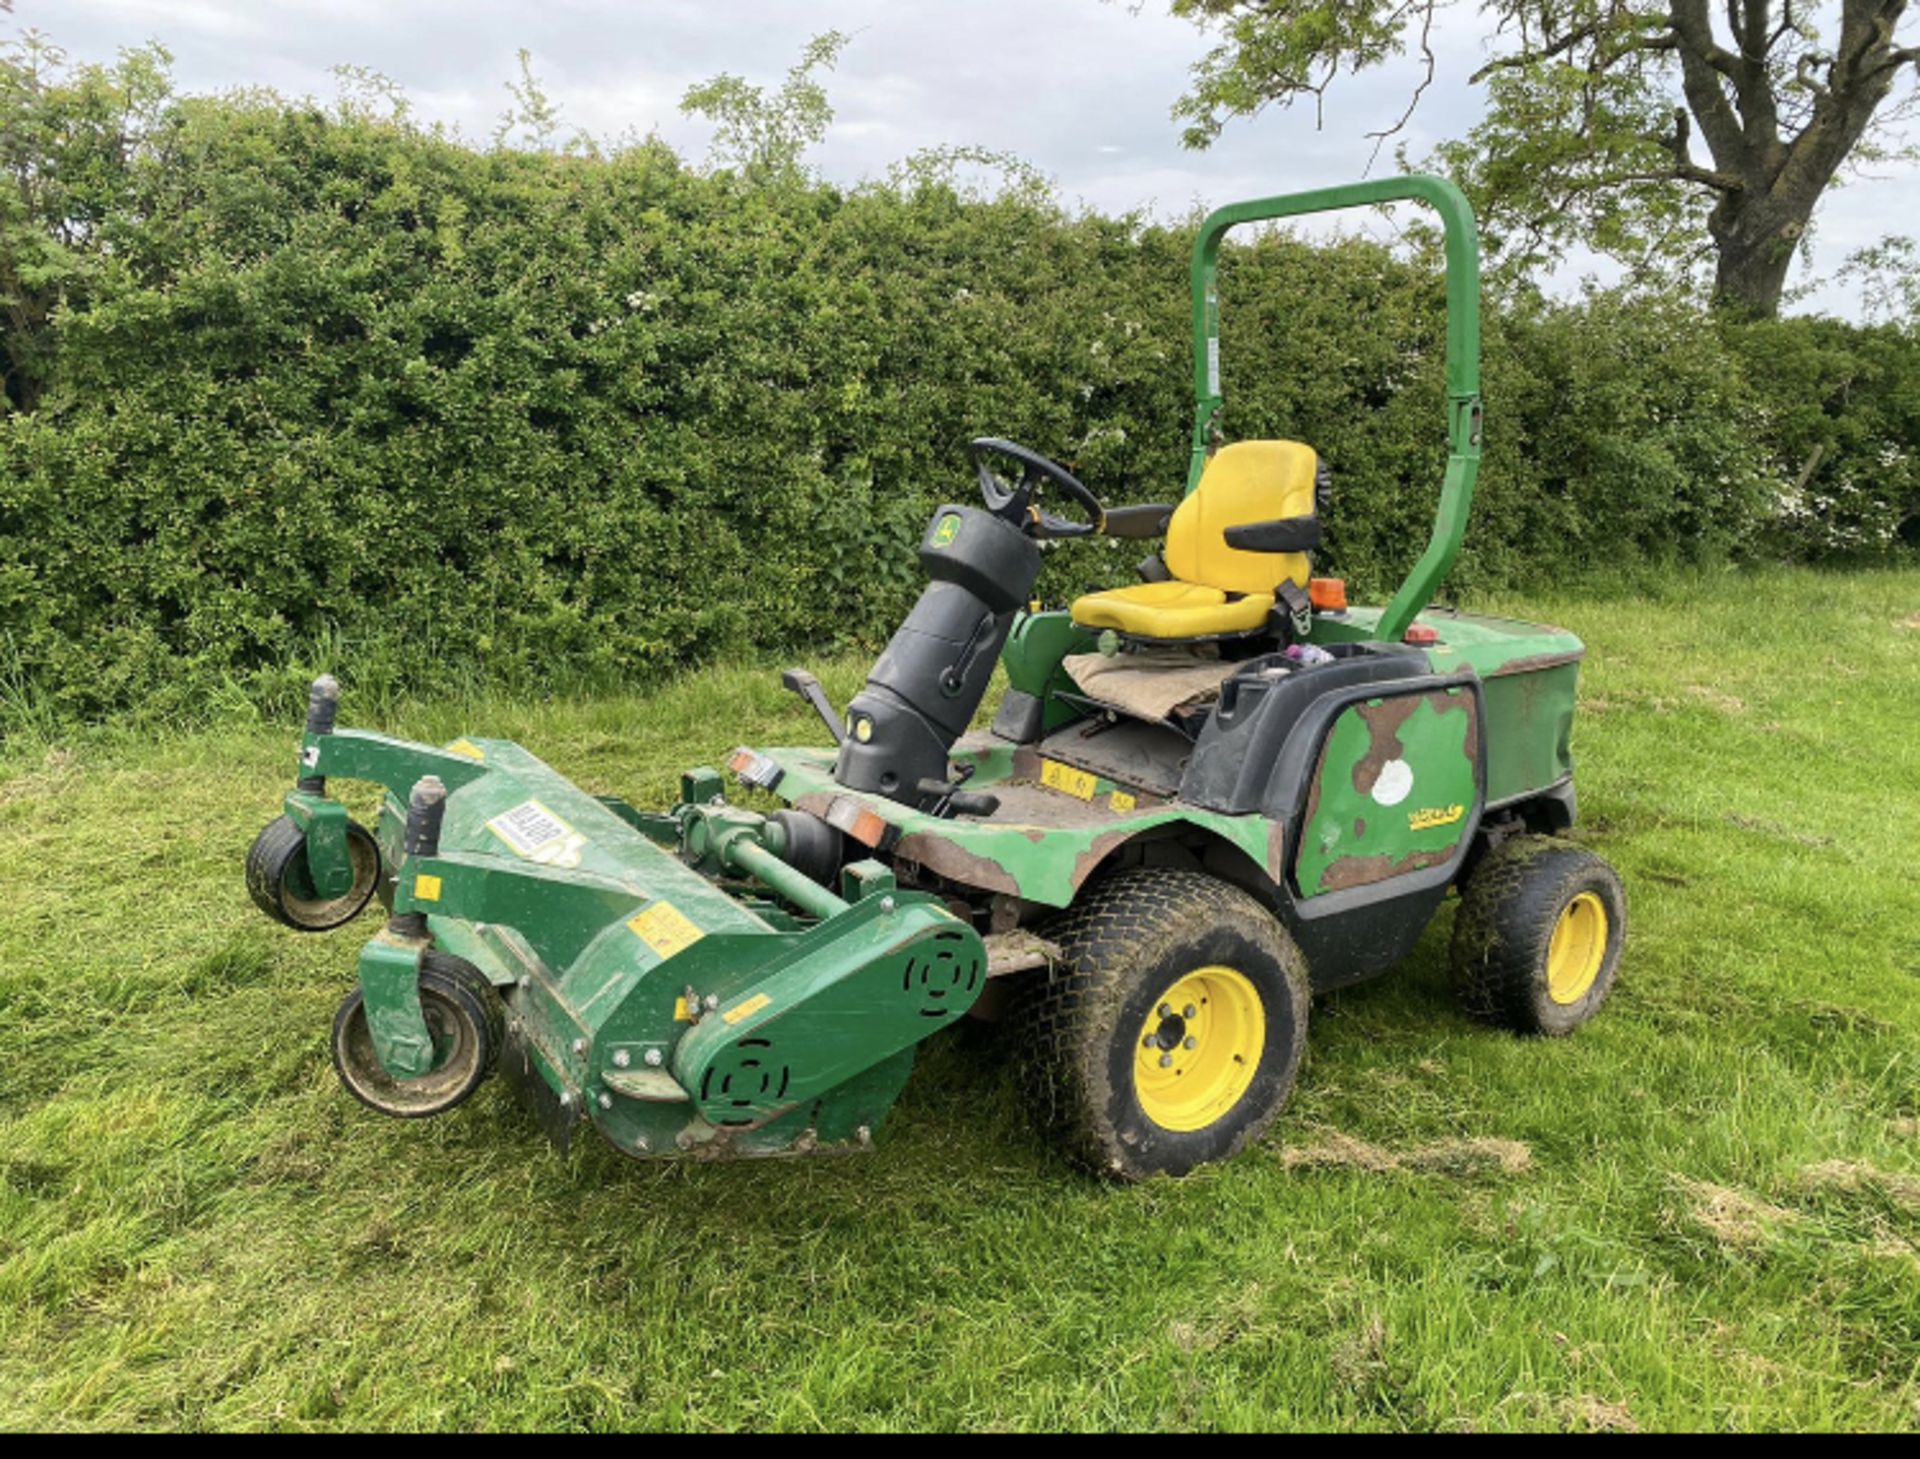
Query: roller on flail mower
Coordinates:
[1205,797]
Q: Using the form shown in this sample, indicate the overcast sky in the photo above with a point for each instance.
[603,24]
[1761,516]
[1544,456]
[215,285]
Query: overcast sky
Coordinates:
[1079,88]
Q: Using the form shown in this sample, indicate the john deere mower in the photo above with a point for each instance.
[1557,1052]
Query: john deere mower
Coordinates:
[1205,796]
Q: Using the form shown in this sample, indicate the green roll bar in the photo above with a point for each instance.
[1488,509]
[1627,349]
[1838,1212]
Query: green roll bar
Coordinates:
[1463,356]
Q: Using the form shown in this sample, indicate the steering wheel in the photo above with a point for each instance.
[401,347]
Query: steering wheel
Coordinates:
[1016,504]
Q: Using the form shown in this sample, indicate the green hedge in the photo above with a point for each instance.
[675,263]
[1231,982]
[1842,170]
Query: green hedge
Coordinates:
[291,389]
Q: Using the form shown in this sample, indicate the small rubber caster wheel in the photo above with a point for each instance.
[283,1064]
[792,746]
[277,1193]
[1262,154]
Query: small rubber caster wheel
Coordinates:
[281,886]
[1537,939]
[462,1016]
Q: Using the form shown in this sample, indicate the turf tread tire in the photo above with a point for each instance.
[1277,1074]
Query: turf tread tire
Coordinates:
[1122,942]
[1508,910]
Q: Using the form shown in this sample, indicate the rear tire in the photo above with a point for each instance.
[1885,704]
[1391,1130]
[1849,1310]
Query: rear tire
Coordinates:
[1536,942]
[463,1015]
[1172,1032]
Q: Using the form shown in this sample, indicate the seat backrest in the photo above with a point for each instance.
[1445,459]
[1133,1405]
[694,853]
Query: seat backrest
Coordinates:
[1249,481]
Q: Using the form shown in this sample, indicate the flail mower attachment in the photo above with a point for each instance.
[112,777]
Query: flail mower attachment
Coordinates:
[687,982]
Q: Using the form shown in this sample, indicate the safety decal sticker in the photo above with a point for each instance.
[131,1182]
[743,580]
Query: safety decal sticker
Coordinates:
[467,749]
[1120,800]
[426,888]
[536,833]
[665,929]
[746,1010]
[1064,777]
[1429,817]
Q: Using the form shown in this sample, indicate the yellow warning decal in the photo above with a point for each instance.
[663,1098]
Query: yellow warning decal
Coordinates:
[467,748]
[665,929]
[1427,819]
[746,1010]
[426,888]
[681,1014]
[1121,801]
[1064,777]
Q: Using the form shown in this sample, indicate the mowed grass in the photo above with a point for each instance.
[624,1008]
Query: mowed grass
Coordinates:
[1703,1211]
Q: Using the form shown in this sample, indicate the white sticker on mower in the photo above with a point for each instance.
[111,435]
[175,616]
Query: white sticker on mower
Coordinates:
[1394,784]
[536,833]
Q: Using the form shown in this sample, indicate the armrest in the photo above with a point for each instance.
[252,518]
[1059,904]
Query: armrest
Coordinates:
[1282,534]
[1136,523]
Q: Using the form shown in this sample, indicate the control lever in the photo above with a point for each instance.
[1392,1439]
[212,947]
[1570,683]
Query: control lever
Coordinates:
[951,800]
[799,681]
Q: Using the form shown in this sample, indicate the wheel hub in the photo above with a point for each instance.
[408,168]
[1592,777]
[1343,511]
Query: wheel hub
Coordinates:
[1578,947]
[1199,1048]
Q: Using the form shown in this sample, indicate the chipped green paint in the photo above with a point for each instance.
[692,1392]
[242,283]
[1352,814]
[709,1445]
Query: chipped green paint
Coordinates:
[1529,673]
[1045,863]
[1393,792]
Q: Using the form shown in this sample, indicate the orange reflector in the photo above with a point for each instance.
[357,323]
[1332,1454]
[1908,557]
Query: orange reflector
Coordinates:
[742,761]
[1329,595]
[1422,634]
[868,829]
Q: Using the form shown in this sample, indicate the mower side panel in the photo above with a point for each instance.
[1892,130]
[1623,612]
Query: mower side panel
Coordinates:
[1530,673]
[1393,792]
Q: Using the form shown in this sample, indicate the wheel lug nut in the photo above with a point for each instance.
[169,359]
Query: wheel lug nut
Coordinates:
[1166,1010]
[1191,1042]
[1189,1012]
[1166,1061]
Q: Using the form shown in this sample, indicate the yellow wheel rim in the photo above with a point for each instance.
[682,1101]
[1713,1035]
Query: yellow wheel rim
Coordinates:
[1199,1048]
[1578,948]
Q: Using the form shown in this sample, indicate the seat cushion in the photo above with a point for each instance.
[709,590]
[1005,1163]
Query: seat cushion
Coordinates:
[1172,610]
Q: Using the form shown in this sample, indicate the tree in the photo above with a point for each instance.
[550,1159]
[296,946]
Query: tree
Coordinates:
[1593,107]
[69,137]
[764,135]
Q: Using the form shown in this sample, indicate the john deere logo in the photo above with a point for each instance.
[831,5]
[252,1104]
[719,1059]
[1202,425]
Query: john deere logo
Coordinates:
[1426,820]
[946,529]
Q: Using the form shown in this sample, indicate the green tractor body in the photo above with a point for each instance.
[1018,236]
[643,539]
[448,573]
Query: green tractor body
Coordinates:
[1161,885]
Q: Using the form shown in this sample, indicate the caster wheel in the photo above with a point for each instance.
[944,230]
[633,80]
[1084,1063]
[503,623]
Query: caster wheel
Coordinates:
[462,1015]
[279,883]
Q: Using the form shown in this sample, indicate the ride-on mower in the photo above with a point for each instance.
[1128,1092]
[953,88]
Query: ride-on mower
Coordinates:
[1205,796]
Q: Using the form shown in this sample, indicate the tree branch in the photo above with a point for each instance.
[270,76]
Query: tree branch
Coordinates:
[1426,50]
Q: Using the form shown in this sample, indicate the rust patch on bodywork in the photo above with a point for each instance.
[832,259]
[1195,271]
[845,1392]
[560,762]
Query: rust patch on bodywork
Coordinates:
[1534,662]
[1361,871]
[1383,721]
[942,857]
[1088,861]
[1445,702]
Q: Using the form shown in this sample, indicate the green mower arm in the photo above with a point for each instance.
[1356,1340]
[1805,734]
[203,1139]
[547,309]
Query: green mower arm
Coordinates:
[1463,356]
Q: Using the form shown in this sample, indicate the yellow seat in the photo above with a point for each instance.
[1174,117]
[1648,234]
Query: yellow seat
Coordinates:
[1216,590]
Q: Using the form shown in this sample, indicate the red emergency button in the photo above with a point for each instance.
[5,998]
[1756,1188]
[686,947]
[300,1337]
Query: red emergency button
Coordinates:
[1421,634]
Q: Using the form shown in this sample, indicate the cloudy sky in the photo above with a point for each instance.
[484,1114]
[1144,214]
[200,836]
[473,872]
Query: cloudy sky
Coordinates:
[1080,88]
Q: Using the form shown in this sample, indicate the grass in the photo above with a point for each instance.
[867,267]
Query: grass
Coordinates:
[1701,1212]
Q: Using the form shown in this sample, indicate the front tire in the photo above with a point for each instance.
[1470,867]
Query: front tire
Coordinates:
[1537,940]
[1171,1033]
